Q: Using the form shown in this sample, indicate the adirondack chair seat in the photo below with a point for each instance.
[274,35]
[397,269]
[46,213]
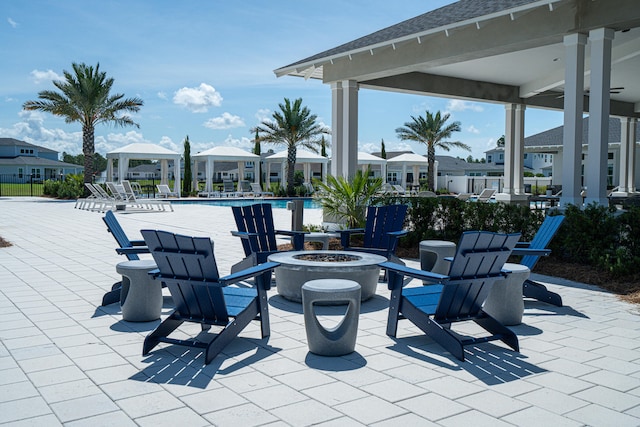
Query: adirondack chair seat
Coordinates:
[188,267]
[455,297]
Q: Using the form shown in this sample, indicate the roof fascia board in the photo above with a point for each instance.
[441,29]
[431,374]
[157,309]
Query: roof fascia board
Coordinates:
[477,22]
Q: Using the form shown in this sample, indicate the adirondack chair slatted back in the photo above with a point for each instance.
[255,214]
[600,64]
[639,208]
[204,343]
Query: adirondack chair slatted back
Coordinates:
[113,226]
[380,221]
[547,230]
[476,266]
[258,219]
[188,267]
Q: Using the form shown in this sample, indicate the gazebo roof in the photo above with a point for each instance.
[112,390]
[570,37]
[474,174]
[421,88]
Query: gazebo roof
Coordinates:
[409,158]
[223,153]
[370,159]
[302,156]
[143,151]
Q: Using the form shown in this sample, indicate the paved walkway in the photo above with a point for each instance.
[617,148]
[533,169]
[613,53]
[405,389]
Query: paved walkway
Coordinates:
[66,361]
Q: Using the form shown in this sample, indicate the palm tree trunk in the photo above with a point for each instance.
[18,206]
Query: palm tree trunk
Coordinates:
[88,148]
[291,168]
[431,158]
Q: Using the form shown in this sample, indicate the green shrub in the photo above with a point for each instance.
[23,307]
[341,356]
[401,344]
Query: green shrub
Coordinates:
[446,218]
[602,237]
[71,188]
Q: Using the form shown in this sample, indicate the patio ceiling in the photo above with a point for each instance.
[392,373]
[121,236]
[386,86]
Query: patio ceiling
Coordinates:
[512,54]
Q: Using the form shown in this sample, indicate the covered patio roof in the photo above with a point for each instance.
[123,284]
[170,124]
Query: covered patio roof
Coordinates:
[223,154]
[506,52]
[580,56]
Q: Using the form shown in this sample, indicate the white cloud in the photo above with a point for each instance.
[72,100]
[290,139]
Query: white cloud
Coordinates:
[13,23]
[263,114]
[162,95]
[460,105]
[473,129]
[243,142]
[369,147]
[225,121]
[41,76]
[198,99]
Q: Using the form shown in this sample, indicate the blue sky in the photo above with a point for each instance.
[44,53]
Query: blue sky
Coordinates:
[205,69]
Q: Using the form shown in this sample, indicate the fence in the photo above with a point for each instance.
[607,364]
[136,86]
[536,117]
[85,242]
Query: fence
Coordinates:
[13,185]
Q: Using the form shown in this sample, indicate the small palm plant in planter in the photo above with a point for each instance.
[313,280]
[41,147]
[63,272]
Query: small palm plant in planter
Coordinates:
[346,200]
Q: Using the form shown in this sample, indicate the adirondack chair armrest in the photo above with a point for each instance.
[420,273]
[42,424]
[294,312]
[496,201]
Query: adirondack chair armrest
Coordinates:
[130,251]
[528,251]
[523,244]
[345,235]
[243,234]
[138,243]
[297,238]
[425,276]
[154,273]
[248,273]
[393,239]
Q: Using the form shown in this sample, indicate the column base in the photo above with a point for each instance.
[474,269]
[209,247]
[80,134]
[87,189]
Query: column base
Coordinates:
[512,199]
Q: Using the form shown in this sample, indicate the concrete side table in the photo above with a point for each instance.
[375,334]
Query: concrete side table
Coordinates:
[505,302]
[320,237]
[340,339]
[433,253]
[141,296]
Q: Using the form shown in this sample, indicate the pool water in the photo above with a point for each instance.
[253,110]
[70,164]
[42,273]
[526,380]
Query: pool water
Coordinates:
[275,203]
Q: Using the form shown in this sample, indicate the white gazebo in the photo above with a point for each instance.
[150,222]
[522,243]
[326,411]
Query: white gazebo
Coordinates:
[413,160]
[366,159]
[304,157]
[142,151]
[223,154]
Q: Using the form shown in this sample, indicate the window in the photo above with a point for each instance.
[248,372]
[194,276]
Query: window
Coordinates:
[35,172]
[22,151]
[610,156]
[20,172]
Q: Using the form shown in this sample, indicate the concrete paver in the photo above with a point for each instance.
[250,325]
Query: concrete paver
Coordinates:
[66,361]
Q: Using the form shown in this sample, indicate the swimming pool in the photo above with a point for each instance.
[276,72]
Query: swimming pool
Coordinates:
[275,203]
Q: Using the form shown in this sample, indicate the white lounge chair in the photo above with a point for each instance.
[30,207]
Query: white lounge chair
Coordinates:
[165,192]
[486,194]
[398,190]
[148,203]
[257,190]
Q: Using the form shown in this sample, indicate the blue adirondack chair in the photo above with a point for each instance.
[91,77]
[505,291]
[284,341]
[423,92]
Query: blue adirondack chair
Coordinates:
[545,233]
[382,230]
[132,249]
[258,234]
[187,266]
[476,266]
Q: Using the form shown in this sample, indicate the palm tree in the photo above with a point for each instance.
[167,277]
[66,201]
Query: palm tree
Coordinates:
[433,132]
[293,126]
[348,199]
[84,97]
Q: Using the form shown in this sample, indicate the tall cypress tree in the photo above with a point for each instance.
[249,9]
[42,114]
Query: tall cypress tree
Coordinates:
[187,181]
[383,152]
[258,151]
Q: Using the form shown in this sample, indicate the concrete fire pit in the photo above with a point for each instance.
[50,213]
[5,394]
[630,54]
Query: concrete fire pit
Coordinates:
[298,267]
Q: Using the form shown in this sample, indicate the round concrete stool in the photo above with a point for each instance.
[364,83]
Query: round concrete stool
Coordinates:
[505,302]
[340,339]
[433,253]
[141,296]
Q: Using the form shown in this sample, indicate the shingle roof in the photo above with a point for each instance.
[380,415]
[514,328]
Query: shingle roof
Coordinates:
[13,142]
[460,11]
[553,137]
[35,161]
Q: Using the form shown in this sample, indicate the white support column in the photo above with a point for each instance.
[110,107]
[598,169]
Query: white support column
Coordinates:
[572,130]
[110,170]
[509,142]
[599,106]
[518,151]
[194,176]
[631,136]
[349,151]
[624,162]
[164,171]
[337,118]
[177,172]
[556,168]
